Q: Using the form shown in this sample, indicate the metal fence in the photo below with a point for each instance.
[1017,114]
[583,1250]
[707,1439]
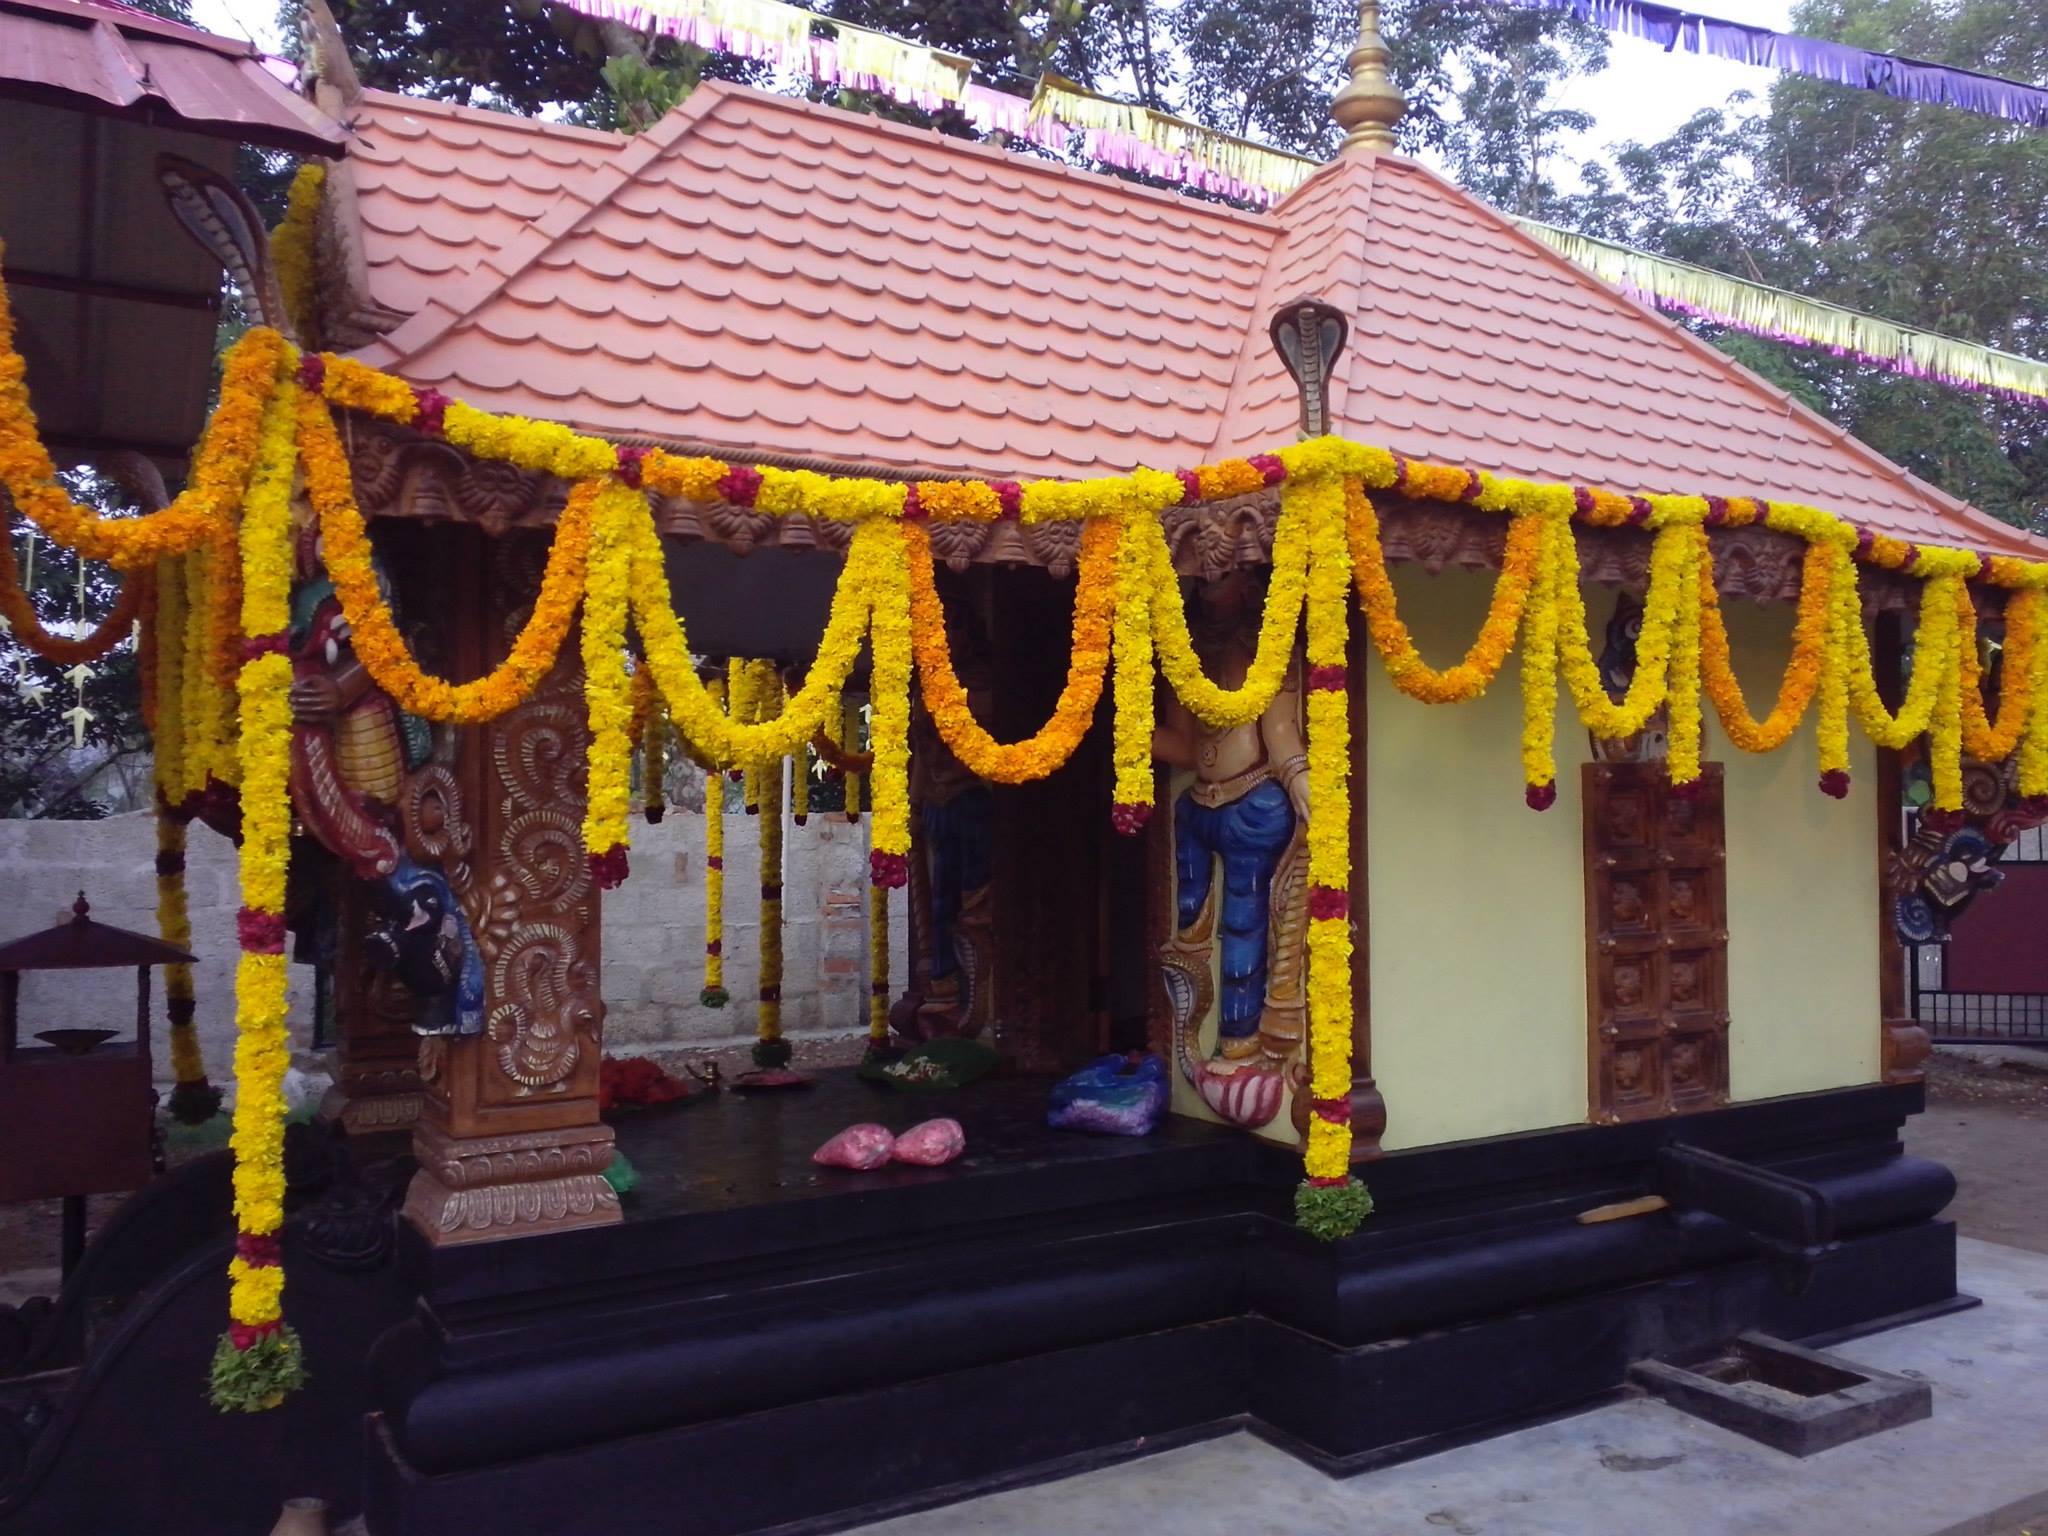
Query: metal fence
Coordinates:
[1962,1015]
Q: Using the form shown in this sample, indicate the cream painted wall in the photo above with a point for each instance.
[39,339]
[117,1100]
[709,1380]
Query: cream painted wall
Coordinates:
[1803,1009]
[1478,913]
[1477,918]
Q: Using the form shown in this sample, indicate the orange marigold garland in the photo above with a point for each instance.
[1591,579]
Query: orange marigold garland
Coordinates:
[1406,669]
[258,1361]
[1036,756]
[1987,740]
[345,545]
[1802,672]
[220,465]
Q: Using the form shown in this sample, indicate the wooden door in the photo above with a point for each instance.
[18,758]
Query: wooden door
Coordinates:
[1656,942]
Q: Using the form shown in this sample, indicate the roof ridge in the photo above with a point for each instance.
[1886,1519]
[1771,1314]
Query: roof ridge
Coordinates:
[1269,296]
[571,209]
[1793,408]
[433,106]
[1000,154]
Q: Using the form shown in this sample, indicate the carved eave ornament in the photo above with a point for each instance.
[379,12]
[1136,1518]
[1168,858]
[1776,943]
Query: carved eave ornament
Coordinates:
[399,474]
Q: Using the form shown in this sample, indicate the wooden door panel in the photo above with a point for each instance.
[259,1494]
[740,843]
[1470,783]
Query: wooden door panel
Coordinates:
[1656,943]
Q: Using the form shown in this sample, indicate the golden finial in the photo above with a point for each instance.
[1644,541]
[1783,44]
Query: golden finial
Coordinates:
[1371,104]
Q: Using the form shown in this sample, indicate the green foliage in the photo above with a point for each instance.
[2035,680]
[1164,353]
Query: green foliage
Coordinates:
[258,1378]
[1926,215]
[43,771]
[1331,1211]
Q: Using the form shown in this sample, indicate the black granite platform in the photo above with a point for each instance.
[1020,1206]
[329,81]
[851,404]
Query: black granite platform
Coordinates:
[817,1345]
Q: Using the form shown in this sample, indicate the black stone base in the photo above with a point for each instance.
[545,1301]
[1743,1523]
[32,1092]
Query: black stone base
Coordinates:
[762,1346]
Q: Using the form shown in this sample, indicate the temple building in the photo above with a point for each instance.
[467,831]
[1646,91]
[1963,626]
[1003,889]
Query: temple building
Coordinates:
[1622,1040]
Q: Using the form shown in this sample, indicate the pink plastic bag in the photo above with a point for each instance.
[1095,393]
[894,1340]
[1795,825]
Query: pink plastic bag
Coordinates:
[932,1143]
[858,1146]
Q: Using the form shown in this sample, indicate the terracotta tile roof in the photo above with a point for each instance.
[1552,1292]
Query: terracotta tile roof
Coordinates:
[762,275]
[119,62]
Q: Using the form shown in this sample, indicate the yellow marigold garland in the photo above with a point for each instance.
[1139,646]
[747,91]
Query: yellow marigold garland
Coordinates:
[1131,643]
[607,691]
[889,717]
[1017,762]
[1330,1203]
[258,1361]
[856,766]
[1279,623]
[1683,689]
[291,250]
[770,1049]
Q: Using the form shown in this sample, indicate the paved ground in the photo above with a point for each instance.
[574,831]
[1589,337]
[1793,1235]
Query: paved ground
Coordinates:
[1635,1468]
[1990,1124]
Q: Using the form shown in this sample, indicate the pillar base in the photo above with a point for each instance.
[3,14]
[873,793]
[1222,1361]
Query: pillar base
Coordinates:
[372,1104]
[479,1188]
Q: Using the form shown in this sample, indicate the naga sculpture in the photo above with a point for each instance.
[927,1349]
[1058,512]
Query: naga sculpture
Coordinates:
[1240,874]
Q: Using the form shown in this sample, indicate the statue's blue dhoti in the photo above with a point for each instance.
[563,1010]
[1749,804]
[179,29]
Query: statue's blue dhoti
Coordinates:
[1249,834]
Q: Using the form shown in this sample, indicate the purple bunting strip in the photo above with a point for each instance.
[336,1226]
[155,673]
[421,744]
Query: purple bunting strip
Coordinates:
[1888,74]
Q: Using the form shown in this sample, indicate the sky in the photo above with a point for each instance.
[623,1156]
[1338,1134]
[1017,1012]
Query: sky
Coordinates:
[1643,94]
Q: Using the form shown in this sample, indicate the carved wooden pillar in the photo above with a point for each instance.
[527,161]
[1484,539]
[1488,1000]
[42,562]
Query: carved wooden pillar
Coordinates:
[376,1054]
[508,1138]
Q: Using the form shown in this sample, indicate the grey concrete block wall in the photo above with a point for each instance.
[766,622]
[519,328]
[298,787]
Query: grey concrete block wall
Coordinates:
[653,930]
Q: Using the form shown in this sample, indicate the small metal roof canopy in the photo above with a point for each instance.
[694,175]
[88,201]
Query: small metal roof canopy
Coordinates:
[116,309]
[83,944]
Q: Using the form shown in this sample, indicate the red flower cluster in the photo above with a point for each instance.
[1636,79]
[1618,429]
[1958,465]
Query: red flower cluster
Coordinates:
[636,1080]
[609,869]
[1129,820]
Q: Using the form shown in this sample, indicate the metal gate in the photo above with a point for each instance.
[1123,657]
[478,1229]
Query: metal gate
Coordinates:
[1951,998]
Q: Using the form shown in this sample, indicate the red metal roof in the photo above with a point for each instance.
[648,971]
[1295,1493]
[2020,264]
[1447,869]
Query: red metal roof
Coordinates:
[119,62]
[763,275]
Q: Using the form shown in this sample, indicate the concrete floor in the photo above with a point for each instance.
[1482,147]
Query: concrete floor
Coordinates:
[1979,1467]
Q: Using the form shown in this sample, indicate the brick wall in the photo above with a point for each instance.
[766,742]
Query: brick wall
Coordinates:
[653,929]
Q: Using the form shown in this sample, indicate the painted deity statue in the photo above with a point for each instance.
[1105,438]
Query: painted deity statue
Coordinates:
[1240,873]
[356,764]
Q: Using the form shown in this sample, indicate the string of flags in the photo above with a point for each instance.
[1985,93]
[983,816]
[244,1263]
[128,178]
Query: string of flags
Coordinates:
[1685,289]
[1862,68]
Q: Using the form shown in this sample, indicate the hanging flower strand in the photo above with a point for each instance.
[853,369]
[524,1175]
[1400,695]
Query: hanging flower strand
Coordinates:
[257,1361]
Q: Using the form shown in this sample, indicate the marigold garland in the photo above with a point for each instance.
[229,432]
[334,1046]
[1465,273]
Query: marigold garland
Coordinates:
[1327,1157]
[258,1361]
[1279,623]
[1683,648]
[65,650]
[889,714]
[1131,644]
[878,965]
[1984,739]
[607,691]
[714,994]
[770,1049]
[345,545]
[1469,678]
[1036,756]
[291,250]
[1802,672]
